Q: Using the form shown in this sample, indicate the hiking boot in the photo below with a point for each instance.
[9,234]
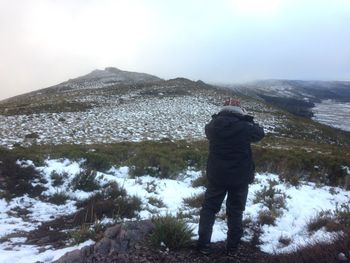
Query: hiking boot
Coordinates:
[205,249]
[232,252]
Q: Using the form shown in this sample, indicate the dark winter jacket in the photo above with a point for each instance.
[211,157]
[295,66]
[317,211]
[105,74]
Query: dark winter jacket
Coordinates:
[230,161]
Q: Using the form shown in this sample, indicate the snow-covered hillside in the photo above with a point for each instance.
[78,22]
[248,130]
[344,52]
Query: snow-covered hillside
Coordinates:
[333,113]
[175,109]
[131,120]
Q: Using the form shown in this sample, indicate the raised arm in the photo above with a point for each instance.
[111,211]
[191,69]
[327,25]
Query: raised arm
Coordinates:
[256,132]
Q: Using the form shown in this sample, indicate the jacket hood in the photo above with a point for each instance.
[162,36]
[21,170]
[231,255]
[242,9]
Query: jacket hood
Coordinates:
[233,109]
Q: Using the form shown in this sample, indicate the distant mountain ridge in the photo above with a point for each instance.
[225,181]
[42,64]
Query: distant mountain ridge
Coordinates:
[313,91]
[295,96]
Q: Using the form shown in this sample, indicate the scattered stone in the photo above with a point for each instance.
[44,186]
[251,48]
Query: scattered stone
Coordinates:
[100,117]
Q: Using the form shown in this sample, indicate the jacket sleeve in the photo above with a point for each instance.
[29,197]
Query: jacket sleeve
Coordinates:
[255,132]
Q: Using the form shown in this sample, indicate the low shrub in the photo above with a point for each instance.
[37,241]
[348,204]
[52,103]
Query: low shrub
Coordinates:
[331,221]
[155,201]
[257,232]
[174,233]
[58,198]
[194,201]
[317,252]
[342,215]
[272,198]
[128,206]
[200,181]
[266,217]
[284,240]
[97,161]
[323,219]
[16,180]
[112,201]
[113,191]
[57,179]
[82,234]
[85,181]
[151,187]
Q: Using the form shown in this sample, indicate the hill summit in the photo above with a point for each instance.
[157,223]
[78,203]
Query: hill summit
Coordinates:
[107,77]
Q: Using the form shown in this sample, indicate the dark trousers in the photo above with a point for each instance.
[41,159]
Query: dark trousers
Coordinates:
[235,205]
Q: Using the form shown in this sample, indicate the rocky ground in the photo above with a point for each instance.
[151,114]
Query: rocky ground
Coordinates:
[128,243]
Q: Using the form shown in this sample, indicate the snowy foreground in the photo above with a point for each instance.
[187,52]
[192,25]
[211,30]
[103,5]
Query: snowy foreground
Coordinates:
[302,204]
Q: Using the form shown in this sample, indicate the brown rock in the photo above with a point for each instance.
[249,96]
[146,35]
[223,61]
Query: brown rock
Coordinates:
[103,246]
[71,257]
[113,231]
[116,246]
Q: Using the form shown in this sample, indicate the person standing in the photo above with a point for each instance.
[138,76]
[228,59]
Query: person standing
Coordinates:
[230,170]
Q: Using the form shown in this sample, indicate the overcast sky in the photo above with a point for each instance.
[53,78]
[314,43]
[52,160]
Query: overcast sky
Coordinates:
[45,42]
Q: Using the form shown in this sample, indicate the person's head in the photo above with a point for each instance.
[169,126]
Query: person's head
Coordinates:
[232,102]
[233,105]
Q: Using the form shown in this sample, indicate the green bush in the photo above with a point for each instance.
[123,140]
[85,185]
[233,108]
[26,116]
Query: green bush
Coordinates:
[128,206]
[58,198]
[17,180]
[157,202]
[57,179]
[266,217]
[113,191]
[174,233]
[200,181]
[321,221]
[112,201]
[194,201]
[82,234]
[271,197]
[342,215]
[85,181]
[332,221]
[97,161]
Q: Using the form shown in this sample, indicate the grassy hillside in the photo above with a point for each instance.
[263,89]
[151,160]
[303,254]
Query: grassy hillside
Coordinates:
[293,159]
